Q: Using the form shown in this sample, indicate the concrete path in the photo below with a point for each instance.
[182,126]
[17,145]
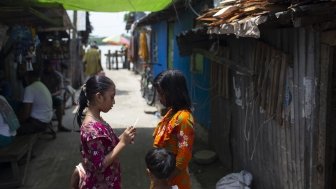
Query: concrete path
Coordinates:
[55,159]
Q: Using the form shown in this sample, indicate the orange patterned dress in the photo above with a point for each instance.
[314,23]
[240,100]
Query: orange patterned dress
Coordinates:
[175,133]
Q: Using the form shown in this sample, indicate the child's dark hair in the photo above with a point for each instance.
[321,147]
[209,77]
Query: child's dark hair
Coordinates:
[160,162]
[173,85]
[94,85]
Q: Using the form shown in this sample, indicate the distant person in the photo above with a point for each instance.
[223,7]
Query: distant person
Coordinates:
[92,61]
[160,165]
[53,80]
[56,55]
[100,146]
[37,110]
[9,123]
[175,131]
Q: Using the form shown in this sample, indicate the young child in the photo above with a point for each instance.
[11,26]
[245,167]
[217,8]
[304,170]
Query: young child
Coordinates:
[160,165]
[100,147]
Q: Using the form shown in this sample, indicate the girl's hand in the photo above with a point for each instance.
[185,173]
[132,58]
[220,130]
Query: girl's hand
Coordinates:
[128,135]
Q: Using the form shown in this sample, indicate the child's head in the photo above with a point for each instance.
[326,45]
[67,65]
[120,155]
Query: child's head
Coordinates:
[172,89]
[98,91]
[160,163]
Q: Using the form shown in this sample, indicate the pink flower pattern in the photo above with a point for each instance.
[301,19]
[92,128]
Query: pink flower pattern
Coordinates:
[97,140]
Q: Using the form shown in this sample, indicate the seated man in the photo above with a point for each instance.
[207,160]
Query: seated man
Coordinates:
[37,109]
[53,80]
[8,123]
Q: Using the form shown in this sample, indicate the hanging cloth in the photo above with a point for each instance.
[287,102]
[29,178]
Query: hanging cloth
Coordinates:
[143,48]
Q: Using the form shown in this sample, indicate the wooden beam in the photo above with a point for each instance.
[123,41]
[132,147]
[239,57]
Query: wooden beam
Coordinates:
[322,166]
[222,60]
[43,17]
[44,29]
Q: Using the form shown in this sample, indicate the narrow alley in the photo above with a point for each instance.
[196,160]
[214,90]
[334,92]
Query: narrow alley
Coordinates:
[54,160]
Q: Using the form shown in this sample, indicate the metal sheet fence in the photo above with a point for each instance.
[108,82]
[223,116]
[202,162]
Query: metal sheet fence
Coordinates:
[278,154]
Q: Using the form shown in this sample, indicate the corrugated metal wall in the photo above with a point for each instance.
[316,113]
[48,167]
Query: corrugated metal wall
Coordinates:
[279,155]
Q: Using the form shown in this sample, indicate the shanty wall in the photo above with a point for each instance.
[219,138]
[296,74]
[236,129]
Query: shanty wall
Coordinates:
[159,31]
[268,129]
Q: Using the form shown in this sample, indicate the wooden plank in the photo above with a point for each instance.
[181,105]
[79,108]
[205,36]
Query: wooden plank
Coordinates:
[302,126]
[208,19]
[16,149]
[12,153]
[312,71]
[274,85]
[273,159]
[219,59]
[283,157]
[280,153]
[265,78]
[226,12]
[220,80]
[45,18]
[326,60]
[281,91]
[209,13]
[290,131]
[269,83]
[297,113]
[260,73]
[227,92]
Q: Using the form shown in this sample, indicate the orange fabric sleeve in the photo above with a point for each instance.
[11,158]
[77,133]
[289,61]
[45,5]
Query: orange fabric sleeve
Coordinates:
[185,140]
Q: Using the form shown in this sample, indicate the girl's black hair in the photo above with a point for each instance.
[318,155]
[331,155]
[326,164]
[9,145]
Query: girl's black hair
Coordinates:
[94,85]
[173,85]
[160,162]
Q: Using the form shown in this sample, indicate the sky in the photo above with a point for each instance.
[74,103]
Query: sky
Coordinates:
[107,24]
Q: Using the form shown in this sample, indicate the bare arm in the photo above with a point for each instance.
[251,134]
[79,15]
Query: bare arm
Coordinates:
[125,138]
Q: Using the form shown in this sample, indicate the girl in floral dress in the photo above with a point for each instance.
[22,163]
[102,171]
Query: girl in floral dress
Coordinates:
[175,132]
[100,145]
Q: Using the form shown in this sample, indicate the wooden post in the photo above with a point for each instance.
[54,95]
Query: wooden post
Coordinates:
[116,57]
[112,58]
[109,60]
[73,53]
[126,59]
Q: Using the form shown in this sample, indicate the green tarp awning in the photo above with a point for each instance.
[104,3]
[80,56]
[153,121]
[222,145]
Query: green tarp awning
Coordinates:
[112,5]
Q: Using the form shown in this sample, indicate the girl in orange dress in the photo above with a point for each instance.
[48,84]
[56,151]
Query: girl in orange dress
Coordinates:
[175,131]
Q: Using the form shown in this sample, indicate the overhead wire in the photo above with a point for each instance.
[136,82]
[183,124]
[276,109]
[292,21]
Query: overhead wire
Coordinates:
[192,9]
[175,9]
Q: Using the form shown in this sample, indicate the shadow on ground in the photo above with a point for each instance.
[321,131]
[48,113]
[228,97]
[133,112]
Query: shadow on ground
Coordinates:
[54,161]
[207,174]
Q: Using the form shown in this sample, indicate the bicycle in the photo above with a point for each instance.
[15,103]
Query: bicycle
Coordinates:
[147,84]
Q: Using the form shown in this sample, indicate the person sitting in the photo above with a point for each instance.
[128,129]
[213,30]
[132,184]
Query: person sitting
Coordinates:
[37,109]
[53,80]
[9,123]
[160,166]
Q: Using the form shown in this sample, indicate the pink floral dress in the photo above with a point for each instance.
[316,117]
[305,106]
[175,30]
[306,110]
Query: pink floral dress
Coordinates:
[97,140]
